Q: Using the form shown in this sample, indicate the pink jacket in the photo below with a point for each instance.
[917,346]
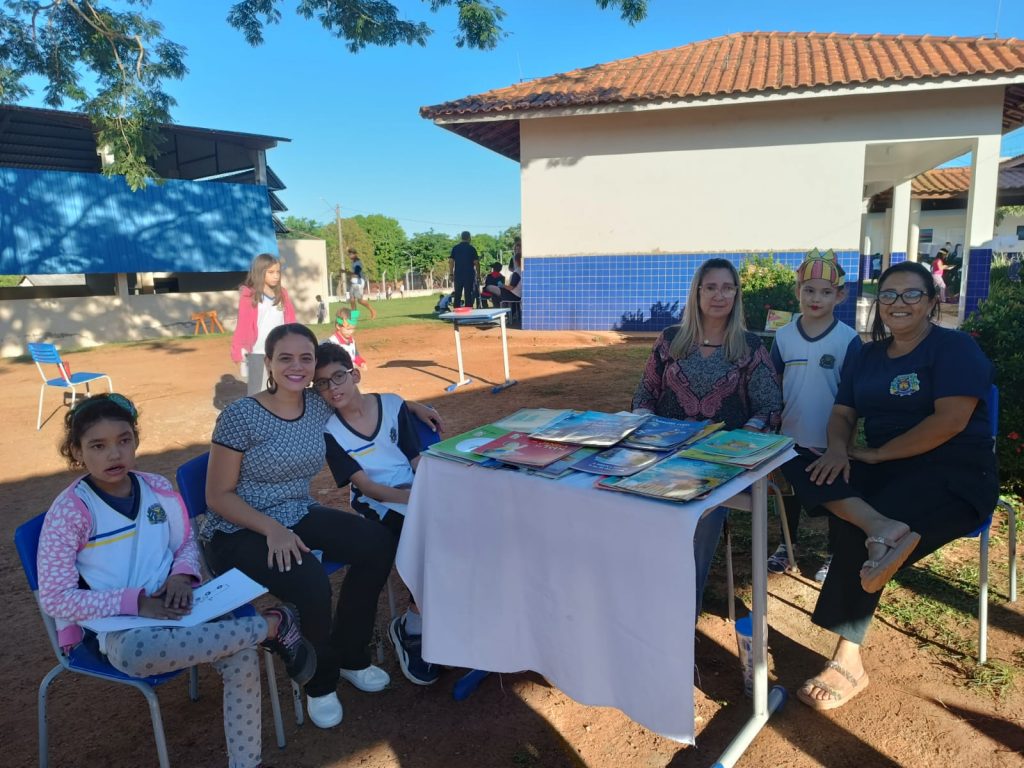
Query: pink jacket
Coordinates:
[65,533]
[245,329]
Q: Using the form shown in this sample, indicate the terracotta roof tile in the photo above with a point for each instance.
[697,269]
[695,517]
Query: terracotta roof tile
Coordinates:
[941,183]
[751,62]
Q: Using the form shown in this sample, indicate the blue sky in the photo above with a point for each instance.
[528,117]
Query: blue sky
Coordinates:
[356,135]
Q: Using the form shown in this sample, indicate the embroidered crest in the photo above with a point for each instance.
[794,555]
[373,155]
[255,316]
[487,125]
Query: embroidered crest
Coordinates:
[394,435]
[827,361]
[155,514]
[904,384]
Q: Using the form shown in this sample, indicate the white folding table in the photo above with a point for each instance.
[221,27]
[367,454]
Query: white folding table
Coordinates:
[479,317]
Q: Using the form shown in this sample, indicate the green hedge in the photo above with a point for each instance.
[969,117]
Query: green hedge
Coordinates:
[767,284]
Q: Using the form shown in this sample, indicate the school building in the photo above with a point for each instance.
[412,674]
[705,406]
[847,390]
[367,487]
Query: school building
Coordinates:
[635,171]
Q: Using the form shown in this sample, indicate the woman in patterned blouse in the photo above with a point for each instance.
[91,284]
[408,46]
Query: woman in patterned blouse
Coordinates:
[710,367]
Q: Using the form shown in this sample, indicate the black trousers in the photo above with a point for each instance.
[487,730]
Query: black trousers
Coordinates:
[941,497]
[367,547]
[465,290]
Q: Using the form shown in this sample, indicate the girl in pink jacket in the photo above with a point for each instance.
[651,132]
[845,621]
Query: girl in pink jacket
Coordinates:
[263,304]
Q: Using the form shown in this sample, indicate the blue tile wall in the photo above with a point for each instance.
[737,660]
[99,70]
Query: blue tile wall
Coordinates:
[896,257]
[634,293]
[979,268]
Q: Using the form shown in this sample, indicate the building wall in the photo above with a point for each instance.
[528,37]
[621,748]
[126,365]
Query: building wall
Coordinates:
[93,320]
[945,225]
[642,191]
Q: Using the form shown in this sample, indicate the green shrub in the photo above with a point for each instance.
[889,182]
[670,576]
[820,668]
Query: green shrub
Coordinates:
[767,284]
[998,327]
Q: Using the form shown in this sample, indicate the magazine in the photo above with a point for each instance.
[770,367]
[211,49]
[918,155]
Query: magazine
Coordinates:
[463,447]
[619,461]
[563,467]
[738,447]
[531,419]
[674,479]
[591,428]
[522,450]
[660,433]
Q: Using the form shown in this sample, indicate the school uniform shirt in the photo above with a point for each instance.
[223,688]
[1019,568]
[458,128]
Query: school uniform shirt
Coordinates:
[117,555]
[384,455]
[349,345]
[810,369]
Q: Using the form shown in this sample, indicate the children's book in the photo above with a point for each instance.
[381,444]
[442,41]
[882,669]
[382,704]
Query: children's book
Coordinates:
[776,319]
[463,448]
[563,467]
[522,450]
[531,419]
[674,479]
[591,428]
[658,433]
[738,447]
[619,461]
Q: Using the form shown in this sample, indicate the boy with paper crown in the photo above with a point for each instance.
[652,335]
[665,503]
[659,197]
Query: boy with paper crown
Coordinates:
[808,353]
[345,334]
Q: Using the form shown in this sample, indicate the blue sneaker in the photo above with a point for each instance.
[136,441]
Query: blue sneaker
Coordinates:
[410,658]
[778,561]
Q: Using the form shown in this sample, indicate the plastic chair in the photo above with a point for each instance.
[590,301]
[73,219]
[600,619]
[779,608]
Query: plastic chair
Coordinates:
[47,354]
[83,659]
[191,479]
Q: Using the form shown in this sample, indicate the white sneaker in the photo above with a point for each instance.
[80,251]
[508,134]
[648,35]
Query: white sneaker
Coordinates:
[370,680]
[324,711]
[823,571]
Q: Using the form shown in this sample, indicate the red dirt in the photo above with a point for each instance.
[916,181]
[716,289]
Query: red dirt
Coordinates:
[917,712]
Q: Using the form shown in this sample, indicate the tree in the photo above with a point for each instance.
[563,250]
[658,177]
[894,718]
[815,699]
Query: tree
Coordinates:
[122,53]
[488,248]
[429,252]
[389,244]
[300,228]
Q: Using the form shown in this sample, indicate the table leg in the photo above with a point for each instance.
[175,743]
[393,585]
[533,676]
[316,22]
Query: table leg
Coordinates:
[765,702]
[463,381]
[509,381]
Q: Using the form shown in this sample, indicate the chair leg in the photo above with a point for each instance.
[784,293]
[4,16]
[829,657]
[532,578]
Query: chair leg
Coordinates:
[158,724]
[110,384]
[983,597]
[780,504]
[39,418]
[1011,519]
[275,700]
[300,718]
[44,742]
[730,587]
[193,683]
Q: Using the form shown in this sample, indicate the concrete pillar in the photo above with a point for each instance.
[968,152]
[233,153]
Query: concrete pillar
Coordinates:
[981,205]
[899,221]
[887,237]
[122,286]
[914,235]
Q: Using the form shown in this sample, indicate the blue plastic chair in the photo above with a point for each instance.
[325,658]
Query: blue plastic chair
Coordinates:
[47,354]
[83,659]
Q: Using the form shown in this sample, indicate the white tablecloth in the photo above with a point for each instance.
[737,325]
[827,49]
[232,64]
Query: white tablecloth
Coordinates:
[592,589]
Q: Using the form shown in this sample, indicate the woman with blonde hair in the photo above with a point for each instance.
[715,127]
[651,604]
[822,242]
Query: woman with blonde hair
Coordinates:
[710,367]
[263,304]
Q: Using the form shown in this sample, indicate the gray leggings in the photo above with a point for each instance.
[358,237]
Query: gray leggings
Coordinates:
[228,646]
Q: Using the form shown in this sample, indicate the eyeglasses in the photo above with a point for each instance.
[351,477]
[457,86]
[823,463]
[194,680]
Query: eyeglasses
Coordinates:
[726,291]
[913,296]
[337,379]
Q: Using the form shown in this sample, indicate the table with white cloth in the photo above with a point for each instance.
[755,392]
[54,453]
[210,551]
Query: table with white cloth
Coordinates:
[593,589]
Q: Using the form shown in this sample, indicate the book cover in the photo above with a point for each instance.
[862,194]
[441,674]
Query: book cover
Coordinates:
[737,447]
[464,447]
[674,479]
[531,419]
[521,449]
[619,461]
[660,433]
[591,428]
[563,467]
[777,318]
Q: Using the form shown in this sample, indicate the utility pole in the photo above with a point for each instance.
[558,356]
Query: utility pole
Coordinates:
[341,250]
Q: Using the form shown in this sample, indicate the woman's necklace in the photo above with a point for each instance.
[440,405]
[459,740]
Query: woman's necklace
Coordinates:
[707,343]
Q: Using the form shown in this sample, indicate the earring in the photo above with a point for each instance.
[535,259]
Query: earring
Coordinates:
[271,384]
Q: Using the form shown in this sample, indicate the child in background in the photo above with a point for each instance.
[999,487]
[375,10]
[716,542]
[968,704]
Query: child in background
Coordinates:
[117,542]
[345,334]
[493,283]
[263,304]
[357,285]
[372,444]
[808,354]
[321,310]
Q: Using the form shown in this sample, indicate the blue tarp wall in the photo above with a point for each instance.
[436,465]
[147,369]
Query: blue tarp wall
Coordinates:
[52,222]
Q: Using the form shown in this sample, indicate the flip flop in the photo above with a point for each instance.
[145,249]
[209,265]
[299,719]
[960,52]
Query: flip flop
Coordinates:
[836,698]
[875,574]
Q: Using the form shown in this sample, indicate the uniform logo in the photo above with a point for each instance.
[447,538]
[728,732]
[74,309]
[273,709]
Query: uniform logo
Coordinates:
[393,435]
[905,384]
[155,514]
[827,361]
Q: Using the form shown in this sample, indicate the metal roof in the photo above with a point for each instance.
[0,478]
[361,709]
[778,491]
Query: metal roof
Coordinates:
[53,222]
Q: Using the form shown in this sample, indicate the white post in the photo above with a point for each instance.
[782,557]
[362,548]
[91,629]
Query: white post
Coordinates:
[899,223]
[981,205]
[914,235]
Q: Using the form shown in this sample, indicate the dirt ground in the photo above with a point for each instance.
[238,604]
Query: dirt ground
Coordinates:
[919,710]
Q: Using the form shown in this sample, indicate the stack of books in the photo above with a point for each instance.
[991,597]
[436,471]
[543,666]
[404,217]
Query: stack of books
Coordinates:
[591,428]
[738,448]
[674,479]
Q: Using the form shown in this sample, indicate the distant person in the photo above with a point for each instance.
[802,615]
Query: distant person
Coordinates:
[263,304]
[321,310]
[512,292]
[938,268]
[464,269]
[357,284]
[345,335]
[493,283]
[399,288]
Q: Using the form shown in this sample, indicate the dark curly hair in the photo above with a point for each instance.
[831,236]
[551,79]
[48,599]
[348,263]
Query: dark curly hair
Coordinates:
[108,406]
[329,352]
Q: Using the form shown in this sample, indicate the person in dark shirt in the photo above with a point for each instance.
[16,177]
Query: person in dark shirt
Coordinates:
[464,269]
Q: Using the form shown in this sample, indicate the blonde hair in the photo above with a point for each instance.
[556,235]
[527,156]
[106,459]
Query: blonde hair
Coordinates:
[256,279]
[691,329]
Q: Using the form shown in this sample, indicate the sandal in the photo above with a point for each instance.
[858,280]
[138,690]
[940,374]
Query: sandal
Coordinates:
[836,698]
[875,574]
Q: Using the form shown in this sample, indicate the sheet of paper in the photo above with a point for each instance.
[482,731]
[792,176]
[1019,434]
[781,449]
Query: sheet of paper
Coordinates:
[210,600]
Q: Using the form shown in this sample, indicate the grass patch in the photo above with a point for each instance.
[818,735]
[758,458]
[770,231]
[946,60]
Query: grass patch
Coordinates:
[995,678]
[416,309]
